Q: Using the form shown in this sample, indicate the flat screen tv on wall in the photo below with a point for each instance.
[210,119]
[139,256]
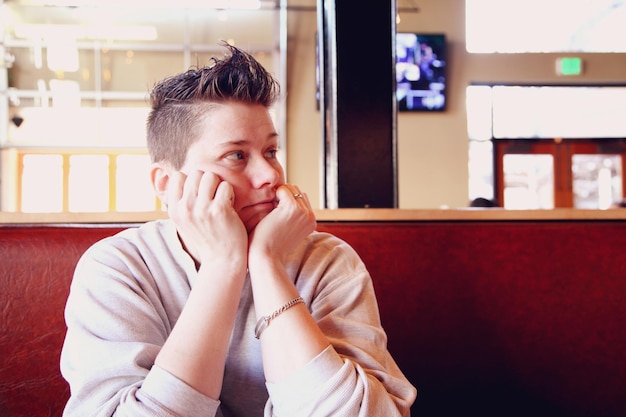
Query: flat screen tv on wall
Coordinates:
[421,71]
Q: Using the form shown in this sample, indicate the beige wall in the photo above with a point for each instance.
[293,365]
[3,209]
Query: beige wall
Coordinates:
[304,140]
[432,148]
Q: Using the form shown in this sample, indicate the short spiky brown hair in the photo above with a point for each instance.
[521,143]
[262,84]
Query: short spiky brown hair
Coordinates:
[179,102]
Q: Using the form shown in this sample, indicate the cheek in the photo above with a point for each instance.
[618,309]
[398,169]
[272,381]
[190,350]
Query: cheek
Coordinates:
[242,191]
[281,174]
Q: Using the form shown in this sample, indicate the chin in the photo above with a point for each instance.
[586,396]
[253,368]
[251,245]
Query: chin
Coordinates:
[252,222]
[251,219]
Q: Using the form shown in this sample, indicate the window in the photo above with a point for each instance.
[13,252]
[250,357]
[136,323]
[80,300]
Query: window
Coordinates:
[545,26]
[76,180]
[76,79]
[547,146]
[552,173]
[544,111]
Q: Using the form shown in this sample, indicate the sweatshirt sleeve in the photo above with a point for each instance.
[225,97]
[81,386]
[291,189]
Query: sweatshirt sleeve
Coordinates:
[355,375]
[116,327]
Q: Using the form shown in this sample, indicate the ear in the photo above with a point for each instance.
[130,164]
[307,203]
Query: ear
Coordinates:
[160,176]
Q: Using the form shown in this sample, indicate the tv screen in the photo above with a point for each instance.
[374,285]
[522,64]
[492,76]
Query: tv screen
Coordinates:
[421,71]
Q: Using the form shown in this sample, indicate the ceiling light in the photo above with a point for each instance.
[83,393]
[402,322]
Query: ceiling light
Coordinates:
[50,32]
[181,4]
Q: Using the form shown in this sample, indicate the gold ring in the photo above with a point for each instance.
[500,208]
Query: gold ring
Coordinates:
[297,195]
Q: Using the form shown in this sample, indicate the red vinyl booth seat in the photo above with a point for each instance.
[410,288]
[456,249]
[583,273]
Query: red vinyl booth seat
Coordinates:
[486,318]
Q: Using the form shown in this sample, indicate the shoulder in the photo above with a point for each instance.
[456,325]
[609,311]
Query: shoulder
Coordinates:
[151,245]
[324,255]
[149,231]
[328,243]
[147,236]
[139,259]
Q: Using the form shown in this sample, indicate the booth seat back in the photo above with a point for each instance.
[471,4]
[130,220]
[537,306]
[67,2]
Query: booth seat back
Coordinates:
[36,268]
[510,319]
[485,318]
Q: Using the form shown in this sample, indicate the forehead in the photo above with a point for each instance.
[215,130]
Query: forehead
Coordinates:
[228,123]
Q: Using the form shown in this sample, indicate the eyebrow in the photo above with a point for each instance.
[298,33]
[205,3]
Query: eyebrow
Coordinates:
[271,136]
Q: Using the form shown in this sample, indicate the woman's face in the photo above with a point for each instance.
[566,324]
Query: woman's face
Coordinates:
[239,144]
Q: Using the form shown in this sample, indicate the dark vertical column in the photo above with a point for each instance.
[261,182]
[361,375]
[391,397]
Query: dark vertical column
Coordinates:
[358,106]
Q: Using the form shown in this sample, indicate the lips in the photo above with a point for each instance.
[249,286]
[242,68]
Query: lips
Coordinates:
[252,214]
[261,204]
[261,207]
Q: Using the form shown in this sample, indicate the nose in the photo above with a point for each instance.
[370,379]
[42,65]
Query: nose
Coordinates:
[266,172]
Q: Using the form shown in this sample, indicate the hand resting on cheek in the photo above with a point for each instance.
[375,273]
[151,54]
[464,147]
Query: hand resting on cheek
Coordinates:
[282,229]
[201,206]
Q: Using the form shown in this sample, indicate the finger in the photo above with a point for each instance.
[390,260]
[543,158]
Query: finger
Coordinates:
[175,186]
[207,187]
[287,192]
[305,199]
[294,193]
[225,193]
[300,196]
[306,203]
[190,189]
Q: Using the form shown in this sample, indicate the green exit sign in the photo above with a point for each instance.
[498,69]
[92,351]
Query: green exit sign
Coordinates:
[569,66]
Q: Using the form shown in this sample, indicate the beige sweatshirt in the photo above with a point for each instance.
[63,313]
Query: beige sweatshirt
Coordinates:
[128,291]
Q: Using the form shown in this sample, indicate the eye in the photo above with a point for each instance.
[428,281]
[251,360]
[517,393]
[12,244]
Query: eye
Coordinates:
[271,154]
[236,156]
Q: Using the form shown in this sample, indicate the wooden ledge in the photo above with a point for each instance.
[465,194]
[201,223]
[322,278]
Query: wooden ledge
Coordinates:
[384,215]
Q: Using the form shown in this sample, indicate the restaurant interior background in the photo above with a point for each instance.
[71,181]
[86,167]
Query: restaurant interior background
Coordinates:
[74,79]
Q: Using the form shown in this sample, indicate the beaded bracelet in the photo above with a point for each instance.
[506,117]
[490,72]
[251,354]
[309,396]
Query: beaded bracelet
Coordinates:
[264,321]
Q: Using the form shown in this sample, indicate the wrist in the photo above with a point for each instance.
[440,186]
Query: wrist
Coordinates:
[227,267]
[264,264]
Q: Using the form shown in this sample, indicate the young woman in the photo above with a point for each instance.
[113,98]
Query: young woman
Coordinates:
[234,305]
